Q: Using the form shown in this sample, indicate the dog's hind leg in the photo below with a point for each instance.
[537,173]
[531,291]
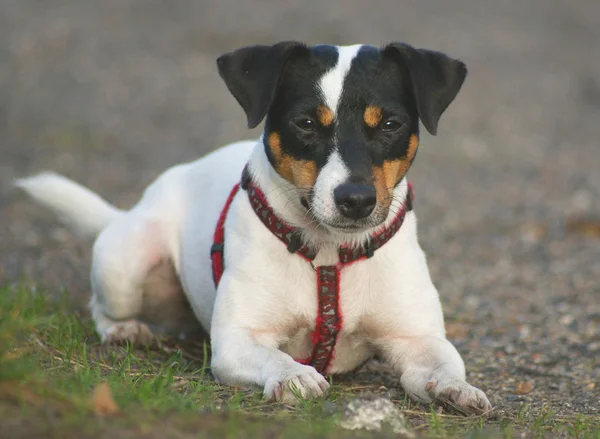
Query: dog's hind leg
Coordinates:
[123,256]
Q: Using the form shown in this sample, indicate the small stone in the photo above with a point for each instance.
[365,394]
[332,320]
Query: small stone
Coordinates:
[524,387]
[591,386]
[533,232]
[566,320]
[372,414]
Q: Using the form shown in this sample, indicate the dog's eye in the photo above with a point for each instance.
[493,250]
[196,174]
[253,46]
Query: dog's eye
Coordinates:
[306,124]
[391,125]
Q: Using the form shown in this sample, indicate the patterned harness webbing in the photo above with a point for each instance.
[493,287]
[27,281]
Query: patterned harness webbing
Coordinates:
[329,316]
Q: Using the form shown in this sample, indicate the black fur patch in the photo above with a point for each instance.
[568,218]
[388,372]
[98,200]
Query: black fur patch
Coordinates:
[282,82]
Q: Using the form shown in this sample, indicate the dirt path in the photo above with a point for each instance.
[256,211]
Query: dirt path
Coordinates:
[111,93]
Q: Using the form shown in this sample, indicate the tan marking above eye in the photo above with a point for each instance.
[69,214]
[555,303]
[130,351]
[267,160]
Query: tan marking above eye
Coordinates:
[302,173]
[372,115]
[325,115]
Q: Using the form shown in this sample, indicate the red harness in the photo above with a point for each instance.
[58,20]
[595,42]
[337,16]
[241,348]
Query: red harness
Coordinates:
[329,316]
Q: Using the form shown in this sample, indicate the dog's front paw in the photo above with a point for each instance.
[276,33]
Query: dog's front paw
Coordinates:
[131,330]
[459,395]
[299,382]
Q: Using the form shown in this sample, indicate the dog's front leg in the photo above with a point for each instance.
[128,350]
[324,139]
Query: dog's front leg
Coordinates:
[241,357]
[238,359]
[432,369]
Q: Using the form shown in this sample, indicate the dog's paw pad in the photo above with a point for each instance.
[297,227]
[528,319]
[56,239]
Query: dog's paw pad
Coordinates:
[302,382]
[131,330]
[460,396]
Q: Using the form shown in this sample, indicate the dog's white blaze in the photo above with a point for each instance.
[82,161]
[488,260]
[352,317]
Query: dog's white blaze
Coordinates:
[331,176]
[332,82]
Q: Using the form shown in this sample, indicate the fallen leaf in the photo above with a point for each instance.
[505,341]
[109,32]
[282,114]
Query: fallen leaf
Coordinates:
[524,387]
[13,391]
[103,401]
[591,386]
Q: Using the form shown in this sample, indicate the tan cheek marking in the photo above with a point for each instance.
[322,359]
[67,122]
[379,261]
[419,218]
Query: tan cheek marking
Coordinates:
[413,143]
[304,173]
[380,188]
[282,162]
[372,116]
[325,115]
[274,143]
[388,175]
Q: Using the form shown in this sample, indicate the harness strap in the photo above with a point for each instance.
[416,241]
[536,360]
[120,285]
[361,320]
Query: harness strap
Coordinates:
[329,315]
[217,251]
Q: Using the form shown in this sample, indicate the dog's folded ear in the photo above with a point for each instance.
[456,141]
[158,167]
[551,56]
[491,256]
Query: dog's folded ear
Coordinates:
[252,74]
[436,79]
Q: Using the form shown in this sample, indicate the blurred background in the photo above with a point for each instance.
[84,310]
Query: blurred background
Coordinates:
[508,194]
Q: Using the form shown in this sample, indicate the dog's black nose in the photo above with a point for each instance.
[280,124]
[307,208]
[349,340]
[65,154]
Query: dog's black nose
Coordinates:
[354,200]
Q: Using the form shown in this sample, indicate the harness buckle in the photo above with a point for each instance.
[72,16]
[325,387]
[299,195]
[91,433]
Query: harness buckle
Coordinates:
[217,248]
[295,243]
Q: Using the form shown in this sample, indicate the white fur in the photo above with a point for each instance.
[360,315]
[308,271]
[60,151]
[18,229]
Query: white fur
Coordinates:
[332,83]
[262,315]
[334,173]
[84,211]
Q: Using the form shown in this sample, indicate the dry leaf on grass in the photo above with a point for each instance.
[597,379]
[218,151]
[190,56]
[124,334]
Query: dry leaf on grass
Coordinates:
[524,387]
[103,401]
[15,392]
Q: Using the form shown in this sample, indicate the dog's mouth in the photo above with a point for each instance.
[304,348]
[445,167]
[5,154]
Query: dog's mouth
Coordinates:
[347,228]
[338,226]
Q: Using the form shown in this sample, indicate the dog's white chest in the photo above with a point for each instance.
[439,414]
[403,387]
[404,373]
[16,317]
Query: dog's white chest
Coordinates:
[311,310]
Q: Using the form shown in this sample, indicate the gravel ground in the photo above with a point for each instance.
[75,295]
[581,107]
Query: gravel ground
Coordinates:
[111,93]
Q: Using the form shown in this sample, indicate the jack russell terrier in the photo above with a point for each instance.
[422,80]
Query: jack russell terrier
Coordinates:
[297,252]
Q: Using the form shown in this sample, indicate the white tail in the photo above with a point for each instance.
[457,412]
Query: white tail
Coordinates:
[81,209]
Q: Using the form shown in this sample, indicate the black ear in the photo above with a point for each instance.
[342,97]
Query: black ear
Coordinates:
[252,74]
[436,80]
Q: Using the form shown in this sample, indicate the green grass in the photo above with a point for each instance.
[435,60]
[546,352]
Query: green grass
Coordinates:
[51,362]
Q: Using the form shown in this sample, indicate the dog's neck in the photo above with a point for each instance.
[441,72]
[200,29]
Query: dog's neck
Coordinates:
[283,199]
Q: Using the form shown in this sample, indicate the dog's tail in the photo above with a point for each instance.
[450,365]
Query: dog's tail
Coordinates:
[83,211]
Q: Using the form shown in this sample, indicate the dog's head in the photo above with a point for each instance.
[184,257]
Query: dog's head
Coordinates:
[342,122]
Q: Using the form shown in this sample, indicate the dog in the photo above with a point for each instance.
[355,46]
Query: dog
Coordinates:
[297,252]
